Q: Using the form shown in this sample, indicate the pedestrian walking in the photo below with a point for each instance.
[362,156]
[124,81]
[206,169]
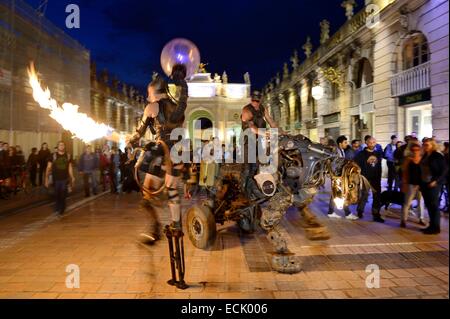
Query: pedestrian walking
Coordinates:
[388,155]
[33,165]
[60,166]
[434,172]
[369,160]
[43,158]
[88,165]
[411,181]
[114,171]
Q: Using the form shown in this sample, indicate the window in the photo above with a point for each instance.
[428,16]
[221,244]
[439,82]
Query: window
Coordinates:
[364,73]
[298,103]
[415,51]
[311,101]
[335,93]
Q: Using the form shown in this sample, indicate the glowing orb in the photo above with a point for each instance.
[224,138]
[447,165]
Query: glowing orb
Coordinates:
[180,51]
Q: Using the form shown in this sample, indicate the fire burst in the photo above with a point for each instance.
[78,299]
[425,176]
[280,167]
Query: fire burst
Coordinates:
[79,124]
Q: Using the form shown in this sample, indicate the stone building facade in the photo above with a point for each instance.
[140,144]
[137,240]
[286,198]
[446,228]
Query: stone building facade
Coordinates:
[62,65]
[384,72]
[115,103]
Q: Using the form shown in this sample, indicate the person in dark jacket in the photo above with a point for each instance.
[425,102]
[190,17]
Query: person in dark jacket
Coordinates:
[378,147]
[88,165]
[411,183]
[5,170]
[114,170]
[390,161]
[353,150]
[19,161]
[3,155]
[369,160]
[434,173]
[43,158]
[129,182]
[61,168]
[33,165]
[17,166]
[447,180]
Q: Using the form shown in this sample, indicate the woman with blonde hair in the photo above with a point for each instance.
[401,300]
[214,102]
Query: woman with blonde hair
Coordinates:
[433,172]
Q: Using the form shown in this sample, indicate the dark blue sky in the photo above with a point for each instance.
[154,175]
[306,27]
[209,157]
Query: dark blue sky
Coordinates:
[127,36]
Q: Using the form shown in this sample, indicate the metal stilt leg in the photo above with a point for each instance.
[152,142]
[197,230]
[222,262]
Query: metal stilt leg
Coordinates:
[177,265]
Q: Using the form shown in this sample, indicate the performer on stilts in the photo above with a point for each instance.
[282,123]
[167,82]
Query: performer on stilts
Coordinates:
[161,116]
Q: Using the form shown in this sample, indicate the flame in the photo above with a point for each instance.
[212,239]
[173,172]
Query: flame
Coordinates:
[79,124]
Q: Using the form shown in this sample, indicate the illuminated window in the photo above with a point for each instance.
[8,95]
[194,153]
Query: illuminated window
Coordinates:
[415,51]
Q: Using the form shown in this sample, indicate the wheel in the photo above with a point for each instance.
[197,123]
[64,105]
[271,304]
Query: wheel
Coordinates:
[201,226]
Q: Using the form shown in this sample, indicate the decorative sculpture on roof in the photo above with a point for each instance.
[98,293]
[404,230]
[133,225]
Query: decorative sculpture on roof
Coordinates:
[104,76]
[132,92]
[202,68]
[324,31]
[225,78]
[115,83]
[295,60]
[247,78]
[307,47]
[348,5]
[285,71]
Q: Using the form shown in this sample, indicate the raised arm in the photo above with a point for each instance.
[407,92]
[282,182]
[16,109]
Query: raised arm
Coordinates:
[150,112]
[247,117]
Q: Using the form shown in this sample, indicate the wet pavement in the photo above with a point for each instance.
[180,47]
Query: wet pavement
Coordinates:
[102,239]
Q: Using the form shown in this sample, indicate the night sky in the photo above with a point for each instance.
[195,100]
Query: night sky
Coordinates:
[127,36]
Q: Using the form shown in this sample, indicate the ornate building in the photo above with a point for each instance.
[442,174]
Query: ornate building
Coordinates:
[115,103]
[216,104]
[384,72]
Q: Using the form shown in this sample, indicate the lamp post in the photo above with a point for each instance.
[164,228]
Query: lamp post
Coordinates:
[317,91]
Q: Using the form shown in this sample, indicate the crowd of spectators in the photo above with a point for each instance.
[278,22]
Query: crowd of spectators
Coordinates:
[417,170]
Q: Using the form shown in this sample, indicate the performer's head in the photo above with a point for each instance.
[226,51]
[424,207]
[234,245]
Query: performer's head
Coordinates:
[61,146]
[157,89]
[256,98]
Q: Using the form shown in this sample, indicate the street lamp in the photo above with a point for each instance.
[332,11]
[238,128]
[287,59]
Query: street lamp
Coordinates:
[317,91]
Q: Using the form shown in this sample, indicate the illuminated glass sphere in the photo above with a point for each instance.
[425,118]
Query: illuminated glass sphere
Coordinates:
[317,92]
[180,51]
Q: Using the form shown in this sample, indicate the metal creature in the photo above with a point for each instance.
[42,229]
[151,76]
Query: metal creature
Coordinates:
[303,167]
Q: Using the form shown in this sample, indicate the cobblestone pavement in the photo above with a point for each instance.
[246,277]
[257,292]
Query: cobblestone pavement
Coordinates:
[102,239]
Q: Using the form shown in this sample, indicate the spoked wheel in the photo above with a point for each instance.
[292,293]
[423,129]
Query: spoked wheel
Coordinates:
[201,226]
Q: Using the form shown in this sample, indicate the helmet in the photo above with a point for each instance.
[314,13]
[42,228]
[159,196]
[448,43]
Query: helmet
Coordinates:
[159,85]
[256,96]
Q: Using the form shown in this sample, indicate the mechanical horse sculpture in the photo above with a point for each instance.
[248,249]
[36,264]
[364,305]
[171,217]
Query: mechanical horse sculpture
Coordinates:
[302,168]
